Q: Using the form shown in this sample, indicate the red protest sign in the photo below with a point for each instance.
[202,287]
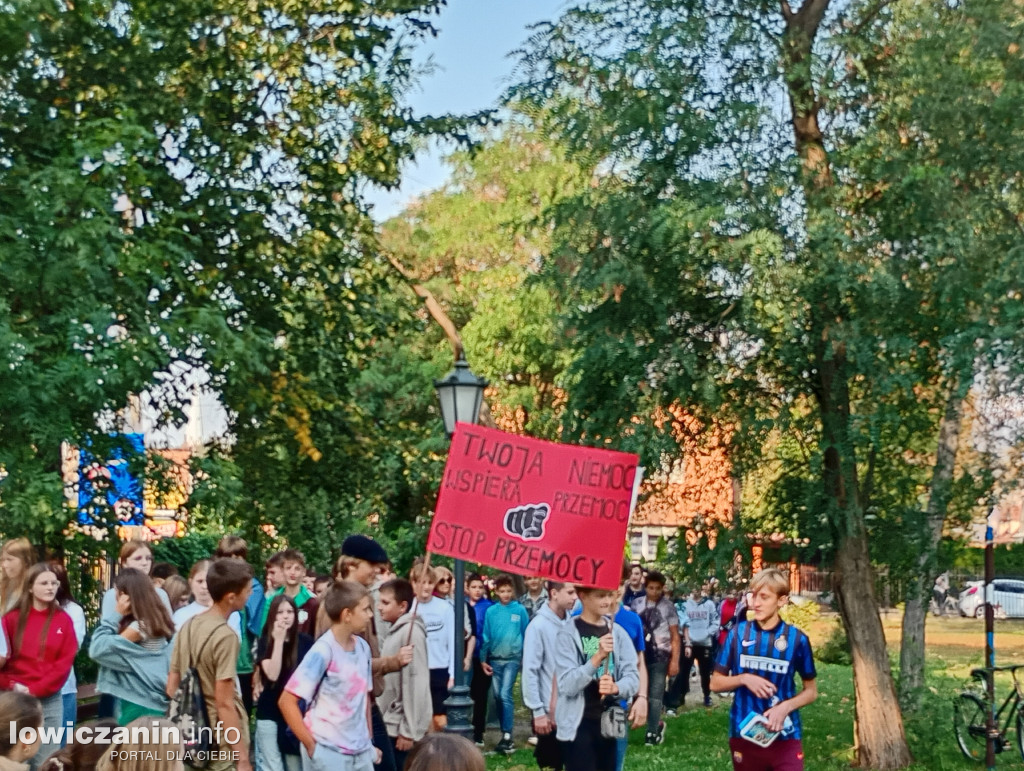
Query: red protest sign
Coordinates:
[534,507]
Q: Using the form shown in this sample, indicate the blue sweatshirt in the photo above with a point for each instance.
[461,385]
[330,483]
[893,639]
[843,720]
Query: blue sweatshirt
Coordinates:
[480,611]
[504,629]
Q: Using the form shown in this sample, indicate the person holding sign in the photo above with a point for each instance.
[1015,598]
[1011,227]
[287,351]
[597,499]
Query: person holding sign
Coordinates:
[758,662]
[596,666]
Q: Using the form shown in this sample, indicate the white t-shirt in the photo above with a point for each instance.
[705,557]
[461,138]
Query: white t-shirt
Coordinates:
[439,619]
[78,620]
[181,615]
[338,683]
[109,605]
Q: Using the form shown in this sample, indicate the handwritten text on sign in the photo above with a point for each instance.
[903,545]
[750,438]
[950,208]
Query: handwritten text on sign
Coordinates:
[534,507]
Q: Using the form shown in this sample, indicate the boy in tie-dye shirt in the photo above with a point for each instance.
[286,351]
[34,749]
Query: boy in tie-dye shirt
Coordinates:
[335,680]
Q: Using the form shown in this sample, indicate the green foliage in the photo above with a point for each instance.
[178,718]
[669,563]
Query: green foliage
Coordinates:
[836,649]
[802,615]
[476,245]
[715,552]
[182,191]
[186,551]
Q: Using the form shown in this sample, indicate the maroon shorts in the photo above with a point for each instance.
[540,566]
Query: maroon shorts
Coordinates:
[782,755]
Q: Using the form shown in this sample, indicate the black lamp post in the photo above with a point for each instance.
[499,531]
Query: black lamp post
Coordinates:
[461,394]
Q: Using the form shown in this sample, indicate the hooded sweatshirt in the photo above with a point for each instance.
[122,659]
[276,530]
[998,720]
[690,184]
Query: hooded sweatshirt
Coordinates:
[576,671]
[40,665]
[405,701]
[703,620]
[539,661]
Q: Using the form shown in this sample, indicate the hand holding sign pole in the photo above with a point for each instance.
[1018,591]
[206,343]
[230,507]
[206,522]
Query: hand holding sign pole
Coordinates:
[461,394]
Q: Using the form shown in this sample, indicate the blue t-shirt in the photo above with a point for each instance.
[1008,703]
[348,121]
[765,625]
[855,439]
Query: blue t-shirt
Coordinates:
[775,655]
[631,622]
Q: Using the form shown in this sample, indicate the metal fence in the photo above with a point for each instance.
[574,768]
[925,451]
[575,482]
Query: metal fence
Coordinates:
[890,590]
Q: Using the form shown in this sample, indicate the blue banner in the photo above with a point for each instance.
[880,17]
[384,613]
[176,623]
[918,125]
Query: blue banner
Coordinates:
[112,486]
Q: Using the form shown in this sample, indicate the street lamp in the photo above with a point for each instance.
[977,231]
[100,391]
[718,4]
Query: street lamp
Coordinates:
[461,394]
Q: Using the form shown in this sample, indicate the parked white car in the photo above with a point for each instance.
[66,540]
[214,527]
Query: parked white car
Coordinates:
[1008,598]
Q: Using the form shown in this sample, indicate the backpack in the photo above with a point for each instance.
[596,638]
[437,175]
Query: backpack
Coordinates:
[188,710]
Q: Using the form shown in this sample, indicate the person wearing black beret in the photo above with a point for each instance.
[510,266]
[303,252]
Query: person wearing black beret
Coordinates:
[362,558]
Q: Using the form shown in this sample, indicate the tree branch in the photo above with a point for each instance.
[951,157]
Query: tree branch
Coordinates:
[432,305]
[809,17]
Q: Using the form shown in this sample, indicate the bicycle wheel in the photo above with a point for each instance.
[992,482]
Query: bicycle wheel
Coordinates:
[1020,733]
[970,721]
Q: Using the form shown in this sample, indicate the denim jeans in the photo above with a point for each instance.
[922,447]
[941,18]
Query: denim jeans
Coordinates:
[53,713]
[329,759]
[503,681]
[268,754]
[657,671]
[620,752]
[70,704]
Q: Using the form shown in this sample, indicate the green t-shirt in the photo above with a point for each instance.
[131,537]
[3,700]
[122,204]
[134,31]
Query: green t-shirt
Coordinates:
[245,663]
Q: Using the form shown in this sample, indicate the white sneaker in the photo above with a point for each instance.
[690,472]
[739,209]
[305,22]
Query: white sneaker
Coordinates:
[532,741]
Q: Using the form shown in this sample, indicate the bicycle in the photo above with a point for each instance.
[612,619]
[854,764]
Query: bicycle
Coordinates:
[971,711]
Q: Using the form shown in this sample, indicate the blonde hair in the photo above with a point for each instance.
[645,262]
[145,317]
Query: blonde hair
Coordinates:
[771,579]
[177,591]
[342,567]
[10,588]
[423,572]
[160,753]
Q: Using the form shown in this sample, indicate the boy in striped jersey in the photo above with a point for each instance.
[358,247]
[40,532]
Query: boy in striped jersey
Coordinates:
[758,662]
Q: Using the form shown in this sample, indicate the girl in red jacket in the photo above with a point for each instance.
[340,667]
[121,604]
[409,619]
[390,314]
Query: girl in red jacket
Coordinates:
[41,647]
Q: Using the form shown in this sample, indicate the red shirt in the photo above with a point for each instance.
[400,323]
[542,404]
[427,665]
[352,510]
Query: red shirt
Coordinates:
[41,666]
[726,612]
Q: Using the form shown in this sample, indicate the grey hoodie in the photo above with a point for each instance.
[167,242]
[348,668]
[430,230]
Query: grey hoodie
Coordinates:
[405,701]
[539,660]
[574,676]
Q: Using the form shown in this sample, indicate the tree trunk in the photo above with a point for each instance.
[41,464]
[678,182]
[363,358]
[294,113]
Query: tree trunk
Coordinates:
[879,738]
[920,581]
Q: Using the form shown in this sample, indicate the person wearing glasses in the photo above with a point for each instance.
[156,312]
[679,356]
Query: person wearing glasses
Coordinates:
[445,590]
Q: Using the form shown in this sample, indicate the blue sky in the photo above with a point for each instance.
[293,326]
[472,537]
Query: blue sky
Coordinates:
[472,68]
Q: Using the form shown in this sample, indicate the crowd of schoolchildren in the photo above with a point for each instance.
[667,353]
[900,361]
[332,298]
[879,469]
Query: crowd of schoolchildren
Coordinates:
[351,671]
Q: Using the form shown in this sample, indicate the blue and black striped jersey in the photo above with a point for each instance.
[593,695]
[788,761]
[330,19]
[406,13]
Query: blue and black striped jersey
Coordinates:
[775,655]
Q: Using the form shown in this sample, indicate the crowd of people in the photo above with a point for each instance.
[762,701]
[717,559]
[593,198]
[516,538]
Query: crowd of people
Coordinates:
[353,670]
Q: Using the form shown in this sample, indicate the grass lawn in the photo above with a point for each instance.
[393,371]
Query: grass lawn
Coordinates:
[697,740]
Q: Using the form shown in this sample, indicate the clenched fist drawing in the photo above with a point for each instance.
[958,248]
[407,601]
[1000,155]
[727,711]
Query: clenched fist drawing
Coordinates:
[527,522]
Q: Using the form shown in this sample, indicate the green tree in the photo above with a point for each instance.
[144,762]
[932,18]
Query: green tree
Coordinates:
[475,246]
[180,186]
[722,259]
[940,196]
